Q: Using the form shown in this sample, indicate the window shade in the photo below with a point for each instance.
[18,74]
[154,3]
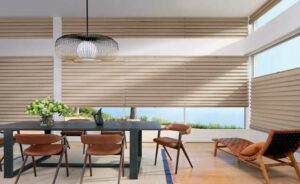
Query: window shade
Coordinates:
[157,82]
[262,10]
[26,28]
[160,27]
[275,101]
[22,80]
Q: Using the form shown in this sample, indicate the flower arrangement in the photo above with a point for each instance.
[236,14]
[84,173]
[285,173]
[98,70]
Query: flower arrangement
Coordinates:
[46,108]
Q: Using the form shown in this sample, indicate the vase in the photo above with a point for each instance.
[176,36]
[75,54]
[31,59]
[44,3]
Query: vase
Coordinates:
[47,121]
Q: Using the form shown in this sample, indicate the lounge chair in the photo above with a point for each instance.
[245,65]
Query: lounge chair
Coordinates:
[279,145]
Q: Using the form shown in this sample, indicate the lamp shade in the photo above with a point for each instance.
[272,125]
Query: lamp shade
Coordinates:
[85,47]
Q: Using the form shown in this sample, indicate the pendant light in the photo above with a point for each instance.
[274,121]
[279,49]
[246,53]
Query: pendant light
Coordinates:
[86,47]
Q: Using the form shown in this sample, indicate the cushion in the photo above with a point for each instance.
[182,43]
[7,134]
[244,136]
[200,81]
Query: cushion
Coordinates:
[252,149]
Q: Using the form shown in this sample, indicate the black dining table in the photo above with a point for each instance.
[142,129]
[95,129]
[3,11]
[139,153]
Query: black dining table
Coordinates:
[135,129]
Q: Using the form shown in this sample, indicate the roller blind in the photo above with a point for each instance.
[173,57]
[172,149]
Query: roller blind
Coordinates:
[262,10]
[275,101]
[157,82]
[160,27]
[22,80]
[26,27]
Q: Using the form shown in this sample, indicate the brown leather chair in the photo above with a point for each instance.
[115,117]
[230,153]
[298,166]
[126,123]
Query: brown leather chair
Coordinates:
[122,133]
[103,145]
[42,145]
[2,143]
[75,133]
[173,143]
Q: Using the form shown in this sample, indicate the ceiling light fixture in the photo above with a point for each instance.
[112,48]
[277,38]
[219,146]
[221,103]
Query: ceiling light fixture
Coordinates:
[86,47]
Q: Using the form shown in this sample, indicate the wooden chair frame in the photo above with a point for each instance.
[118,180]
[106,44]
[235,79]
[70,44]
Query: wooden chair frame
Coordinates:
[180,146]
[64,152]
[87,156]
[261,165]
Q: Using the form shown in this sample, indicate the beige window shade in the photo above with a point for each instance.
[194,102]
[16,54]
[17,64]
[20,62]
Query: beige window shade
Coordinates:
[160,27]
[22,80]
[275,101]
[26,28]
[157,82]
[262,10]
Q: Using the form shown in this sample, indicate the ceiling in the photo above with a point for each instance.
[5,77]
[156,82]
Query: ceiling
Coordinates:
[130,8]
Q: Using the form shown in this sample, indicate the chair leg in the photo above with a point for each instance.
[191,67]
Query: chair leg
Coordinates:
[58,167]
[156,152]
[186,155]
[123,165]
[21,150]
[83,152]
[120,169]
[263,169]
[167,153]
[295,164]
[125,140]
[90,165]
[67,163]
[177,160]
[21,169]
[83,168]
[34,166]
[216,149]
[1,163]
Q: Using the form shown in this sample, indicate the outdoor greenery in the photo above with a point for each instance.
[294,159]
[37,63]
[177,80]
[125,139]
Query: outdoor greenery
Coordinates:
[88,112]
[47,108]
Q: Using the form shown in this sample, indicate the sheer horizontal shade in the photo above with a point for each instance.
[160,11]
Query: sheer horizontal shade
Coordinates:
[275,101]
[22,80]
[157,82]
[160,27]
[26,27]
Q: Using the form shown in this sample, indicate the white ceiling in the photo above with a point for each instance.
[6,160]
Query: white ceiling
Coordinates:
[130,8]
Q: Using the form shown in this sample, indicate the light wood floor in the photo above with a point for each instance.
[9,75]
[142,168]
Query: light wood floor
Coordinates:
[222,169]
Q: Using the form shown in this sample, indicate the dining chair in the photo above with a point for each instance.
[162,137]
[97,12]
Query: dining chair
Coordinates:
[121,133]
[75,133]
[43,145]
[173,143]
[2,143]
[103,145]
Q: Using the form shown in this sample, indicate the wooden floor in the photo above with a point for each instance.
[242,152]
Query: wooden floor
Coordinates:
[222,169]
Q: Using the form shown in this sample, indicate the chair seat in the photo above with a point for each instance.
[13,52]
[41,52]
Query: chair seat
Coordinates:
[112,133]
[44,150]
[167,141]
[71,133]
[1,140]
[109,149]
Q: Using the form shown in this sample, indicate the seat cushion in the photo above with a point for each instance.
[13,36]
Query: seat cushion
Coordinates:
[71,133]
[112,133]
[105,149]
[167,141]
[252,149]
[44,150]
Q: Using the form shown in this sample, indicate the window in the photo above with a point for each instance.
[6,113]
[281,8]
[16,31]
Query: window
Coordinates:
[212,118]
[274,12]
[162,115]
[115,113]
[279,58]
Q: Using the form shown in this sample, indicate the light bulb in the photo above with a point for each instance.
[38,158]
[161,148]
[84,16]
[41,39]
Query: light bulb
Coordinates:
[87,50]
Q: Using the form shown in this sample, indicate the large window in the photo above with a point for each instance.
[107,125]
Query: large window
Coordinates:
[162,115]
[216,117]
[279,58]
[274,12]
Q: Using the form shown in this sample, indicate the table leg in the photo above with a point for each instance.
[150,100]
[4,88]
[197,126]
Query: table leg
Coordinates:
[140,144]
[134,154]
[8,154]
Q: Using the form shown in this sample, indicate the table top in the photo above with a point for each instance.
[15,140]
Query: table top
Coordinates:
[91,126]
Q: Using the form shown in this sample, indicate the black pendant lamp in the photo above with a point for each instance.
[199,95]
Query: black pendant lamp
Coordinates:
[86,47]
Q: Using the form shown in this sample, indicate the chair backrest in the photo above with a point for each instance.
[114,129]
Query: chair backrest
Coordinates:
[280,143]
[183,129]
[79,120]
[37,139]
[101,139]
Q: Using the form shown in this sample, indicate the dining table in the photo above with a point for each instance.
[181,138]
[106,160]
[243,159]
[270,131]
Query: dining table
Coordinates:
[134,128]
